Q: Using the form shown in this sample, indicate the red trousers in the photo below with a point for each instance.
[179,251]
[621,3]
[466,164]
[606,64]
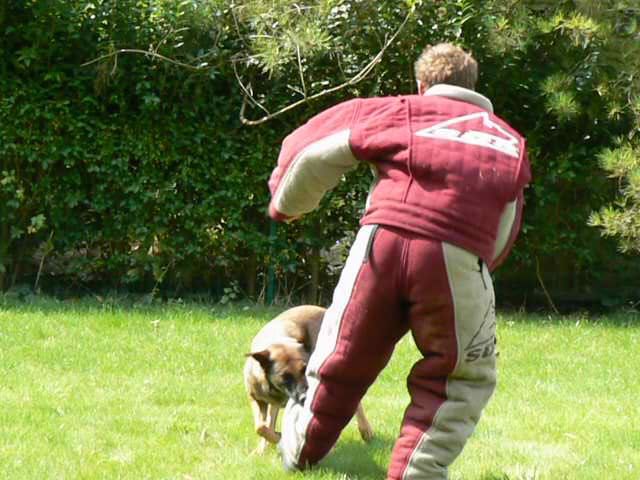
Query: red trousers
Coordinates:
[395,282]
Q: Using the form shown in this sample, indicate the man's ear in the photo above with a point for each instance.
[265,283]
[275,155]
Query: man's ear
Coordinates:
[263,358]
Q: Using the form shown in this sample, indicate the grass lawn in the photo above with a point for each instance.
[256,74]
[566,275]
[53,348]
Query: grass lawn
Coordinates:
[105,390]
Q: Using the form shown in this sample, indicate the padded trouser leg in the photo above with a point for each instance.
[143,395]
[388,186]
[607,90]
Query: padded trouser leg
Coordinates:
[454,328]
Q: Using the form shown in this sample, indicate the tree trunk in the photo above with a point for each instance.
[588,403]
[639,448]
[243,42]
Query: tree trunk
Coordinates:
[3,13]
[314,266]
[251,272]
[4,250]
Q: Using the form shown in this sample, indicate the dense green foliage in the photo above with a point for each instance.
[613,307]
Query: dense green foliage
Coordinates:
[136,172]
[623,219]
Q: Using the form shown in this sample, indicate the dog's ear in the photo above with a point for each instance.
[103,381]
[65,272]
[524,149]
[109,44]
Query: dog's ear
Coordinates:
[263,358]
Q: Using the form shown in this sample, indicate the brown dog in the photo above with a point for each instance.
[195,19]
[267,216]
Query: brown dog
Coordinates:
[275,369]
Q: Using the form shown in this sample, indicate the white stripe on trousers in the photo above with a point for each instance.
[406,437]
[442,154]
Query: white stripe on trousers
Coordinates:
[297,418]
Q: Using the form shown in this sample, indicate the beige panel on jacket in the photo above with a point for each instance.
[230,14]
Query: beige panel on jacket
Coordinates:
[315,171]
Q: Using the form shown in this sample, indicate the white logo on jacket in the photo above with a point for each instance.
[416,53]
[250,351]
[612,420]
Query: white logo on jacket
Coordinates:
[505,142]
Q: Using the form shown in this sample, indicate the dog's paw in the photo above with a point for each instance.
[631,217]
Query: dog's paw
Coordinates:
[366,432]
[268,434]
[261,448]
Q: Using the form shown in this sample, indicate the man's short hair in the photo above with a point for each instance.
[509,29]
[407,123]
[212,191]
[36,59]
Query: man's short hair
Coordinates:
[446,63]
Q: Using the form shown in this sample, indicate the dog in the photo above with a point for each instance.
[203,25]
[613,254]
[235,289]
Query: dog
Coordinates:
[275,370]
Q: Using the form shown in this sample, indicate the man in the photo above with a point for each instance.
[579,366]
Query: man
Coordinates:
[444,211]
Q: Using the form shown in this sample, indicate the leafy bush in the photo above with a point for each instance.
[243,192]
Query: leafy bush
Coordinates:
[135,171]
[623,219]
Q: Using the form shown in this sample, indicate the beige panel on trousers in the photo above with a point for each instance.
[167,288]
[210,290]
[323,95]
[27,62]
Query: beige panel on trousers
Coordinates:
[473,380]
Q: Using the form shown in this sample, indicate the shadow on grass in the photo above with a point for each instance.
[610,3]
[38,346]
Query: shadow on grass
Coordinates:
[356,459]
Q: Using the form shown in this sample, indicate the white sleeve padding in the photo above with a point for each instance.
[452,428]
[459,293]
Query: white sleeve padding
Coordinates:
[316,170]
[505,227]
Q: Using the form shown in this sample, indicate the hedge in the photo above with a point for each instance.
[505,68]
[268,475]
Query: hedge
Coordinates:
[135,173]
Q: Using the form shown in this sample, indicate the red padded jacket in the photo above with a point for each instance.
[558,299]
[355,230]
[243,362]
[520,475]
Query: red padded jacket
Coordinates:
[447,167]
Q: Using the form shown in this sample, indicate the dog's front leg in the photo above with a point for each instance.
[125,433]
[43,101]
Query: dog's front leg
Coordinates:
[262,447]
[364,427]
[259,410]
[272,416]
[262,425]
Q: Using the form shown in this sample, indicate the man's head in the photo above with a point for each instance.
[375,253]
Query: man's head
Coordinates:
[445,63]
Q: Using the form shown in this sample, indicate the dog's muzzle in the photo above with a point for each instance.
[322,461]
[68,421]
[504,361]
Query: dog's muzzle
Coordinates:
[300,398]
[298,392]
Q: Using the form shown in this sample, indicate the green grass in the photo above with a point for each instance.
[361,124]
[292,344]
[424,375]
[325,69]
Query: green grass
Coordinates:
[91,390]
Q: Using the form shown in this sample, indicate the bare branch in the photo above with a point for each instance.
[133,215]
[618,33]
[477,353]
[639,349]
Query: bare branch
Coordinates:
[247,94]
[352,81]
[301,72]
[166,37]
[115,66]
[297,90]
[544,289]
[48,248]
[237,26]
[146,53]
[246,90]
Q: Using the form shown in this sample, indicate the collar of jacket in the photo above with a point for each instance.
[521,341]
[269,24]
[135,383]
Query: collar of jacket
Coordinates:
[459,93]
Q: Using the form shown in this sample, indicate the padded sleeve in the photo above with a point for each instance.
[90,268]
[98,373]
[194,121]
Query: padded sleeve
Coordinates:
[311,162]
[511,219]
